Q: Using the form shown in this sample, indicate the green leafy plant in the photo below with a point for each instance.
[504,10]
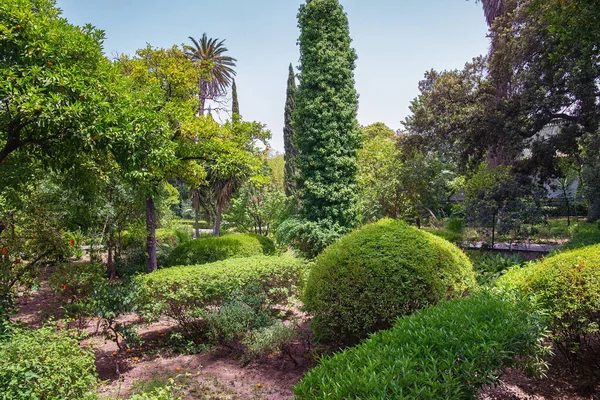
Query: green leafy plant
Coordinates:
[567,286]
[45,364]
[210,249]
[277,337]
[366,280]
[446,351]
[186,293]
[489,267]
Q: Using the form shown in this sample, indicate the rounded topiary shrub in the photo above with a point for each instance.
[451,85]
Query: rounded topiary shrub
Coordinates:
[567,287]
[367,279]
[209,249]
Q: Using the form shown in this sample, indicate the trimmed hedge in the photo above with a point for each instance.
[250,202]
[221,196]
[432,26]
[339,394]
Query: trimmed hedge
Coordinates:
[45,364]
[183,292]
[209,249]
[567,286]
[443,352]
[367,279]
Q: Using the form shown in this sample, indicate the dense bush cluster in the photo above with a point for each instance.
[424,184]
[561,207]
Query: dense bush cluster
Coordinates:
[209,249]
[443,352]
[45,364]
[584,234]
[363,282]
[185,293]
[567,286]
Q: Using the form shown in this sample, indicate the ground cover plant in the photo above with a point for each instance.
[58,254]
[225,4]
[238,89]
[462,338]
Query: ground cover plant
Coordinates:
[384,270]
[445,351]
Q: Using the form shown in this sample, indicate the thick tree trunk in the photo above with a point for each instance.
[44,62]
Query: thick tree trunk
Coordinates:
[151,263]
[217,231]
[593,209]
[197,222]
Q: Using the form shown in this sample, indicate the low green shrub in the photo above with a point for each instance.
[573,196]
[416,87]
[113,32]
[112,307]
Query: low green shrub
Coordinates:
[450,236]
[584,234]
[277,337]
[209,249]
[367,279]
[490,266]
[241,313]
[76,281]
[185,293]
[442,352]
[455,224]
[567,286]
[45,364]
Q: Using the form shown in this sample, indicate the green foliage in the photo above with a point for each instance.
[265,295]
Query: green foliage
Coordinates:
[397,179]
[446,351]
[309,238]
[567,286]
[185,293]
[496,198]
[238,315]
[291,152]
[449,235]
[489,266]
[327,135]
[45,364]
[277,337]
[77,281]
[209,249]
[258,204]
[584,234]
[367,279]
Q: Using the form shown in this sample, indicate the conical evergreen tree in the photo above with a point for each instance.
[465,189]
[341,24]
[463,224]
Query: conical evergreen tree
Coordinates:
[289,178]
[327,134]
[235,106]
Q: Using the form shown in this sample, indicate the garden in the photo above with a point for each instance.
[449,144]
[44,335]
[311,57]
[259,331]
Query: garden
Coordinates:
[151,251]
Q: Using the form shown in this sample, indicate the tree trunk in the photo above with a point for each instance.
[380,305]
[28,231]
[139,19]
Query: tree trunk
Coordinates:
[593,209]
[197,221]
[111,259]
[151,263]
[218,220]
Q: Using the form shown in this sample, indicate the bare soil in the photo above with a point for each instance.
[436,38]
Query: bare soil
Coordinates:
[220,374]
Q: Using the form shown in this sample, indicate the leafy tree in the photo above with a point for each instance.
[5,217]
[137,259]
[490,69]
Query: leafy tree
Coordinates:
[288,135]
[208,55]
[458,115]
[547,59]
[326,131]
[398,179]
[258,204]
[237,158]
[173,78]
[496,199]
[378,173]
[57,90]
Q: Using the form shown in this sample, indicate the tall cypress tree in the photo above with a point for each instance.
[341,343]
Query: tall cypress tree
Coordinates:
[235,106]
[327,132]
[289,178]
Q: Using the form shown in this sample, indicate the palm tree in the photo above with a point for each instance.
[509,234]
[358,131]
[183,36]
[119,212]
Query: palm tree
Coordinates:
[209,53]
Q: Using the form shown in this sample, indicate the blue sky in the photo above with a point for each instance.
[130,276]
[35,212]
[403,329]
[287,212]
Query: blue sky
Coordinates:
[396,42]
